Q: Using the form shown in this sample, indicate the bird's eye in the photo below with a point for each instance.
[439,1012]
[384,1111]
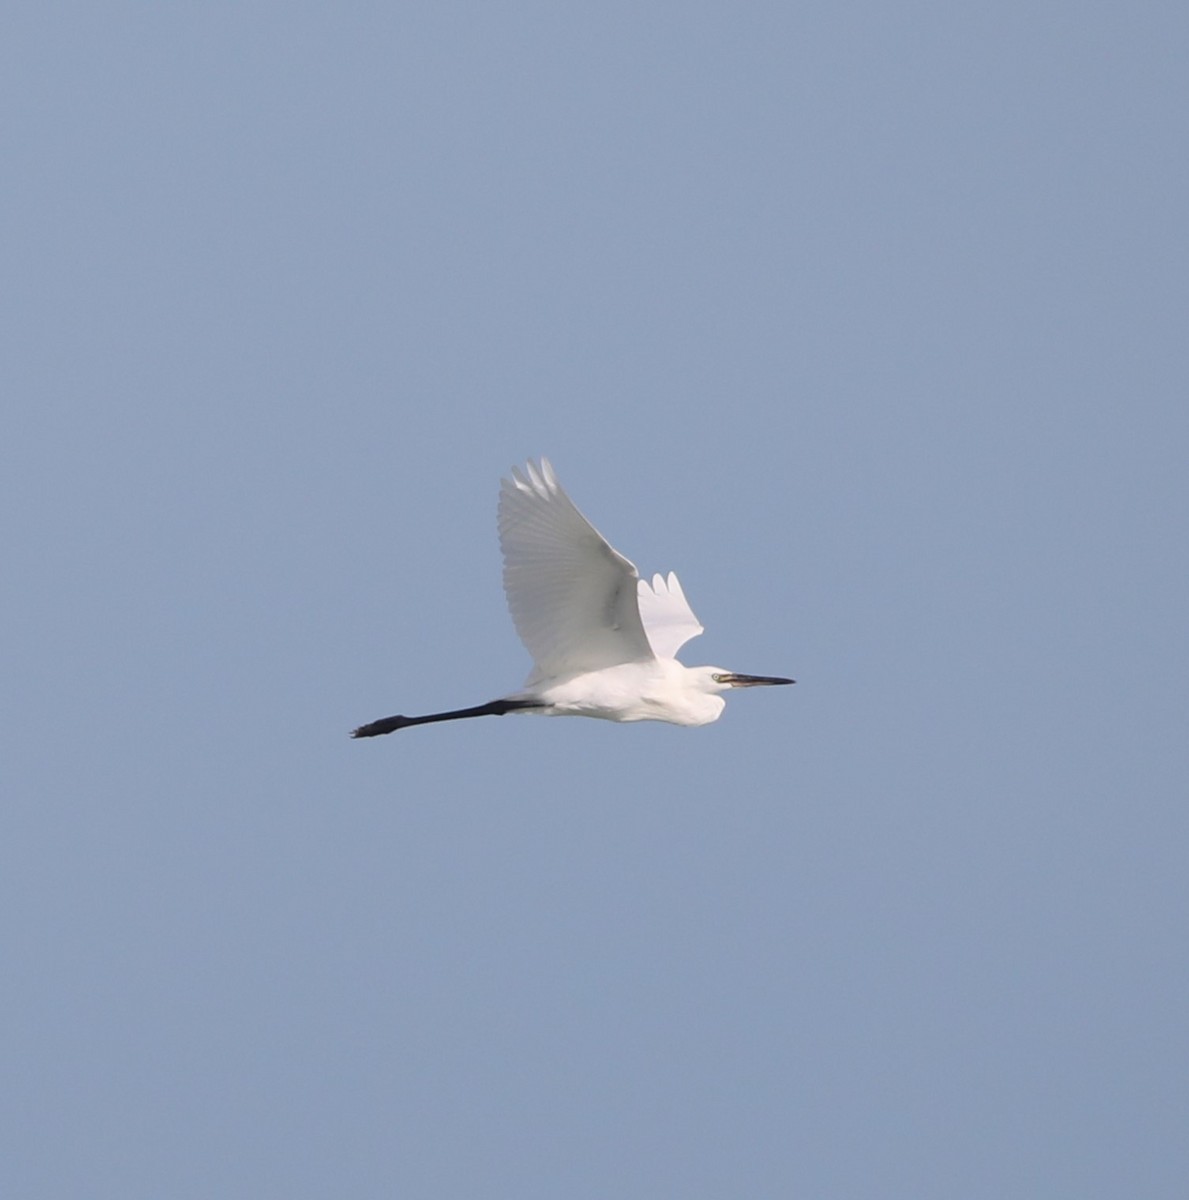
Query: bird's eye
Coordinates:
[719,678]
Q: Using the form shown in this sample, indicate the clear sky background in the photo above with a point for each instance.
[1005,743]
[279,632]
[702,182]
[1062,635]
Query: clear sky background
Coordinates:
[868,319]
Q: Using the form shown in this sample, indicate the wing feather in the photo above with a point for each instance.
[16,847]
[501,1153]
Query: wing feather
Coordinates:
[572,596]
[668,619]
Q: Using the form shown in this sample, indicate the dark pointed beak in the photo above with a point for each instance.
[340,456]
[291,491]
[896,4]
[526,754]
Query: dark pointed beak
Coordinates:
[754,680]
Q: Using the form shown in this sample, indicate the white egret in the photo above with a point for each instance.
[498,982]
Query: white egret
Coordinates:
[602,639]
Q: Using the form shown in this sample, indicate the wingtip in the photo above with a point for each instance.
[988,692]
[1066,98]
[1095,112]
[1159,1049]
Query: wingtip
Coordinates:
[535,475]
[661,584]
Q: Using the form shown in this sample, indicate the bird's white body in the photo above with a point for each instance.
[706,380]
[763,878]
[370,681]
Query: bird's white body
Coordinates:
[603,640]
[660,690]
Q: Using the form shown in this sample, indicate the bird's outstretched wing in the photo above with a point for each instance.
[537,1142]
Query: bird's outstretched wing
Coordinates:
[572,597]
[668,619]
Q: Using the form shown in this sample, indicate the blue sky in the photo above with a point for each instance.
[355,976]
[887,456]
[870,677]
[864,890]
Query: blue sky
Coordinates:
[868,320]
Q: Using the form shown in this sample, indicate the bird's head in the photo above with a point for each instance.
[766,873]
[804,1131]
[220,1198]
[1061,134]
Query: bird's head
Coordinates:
[716,679]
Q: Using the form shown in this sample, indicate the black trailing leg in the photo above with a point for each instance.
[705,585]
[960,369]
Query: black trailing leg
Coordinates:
[496,708]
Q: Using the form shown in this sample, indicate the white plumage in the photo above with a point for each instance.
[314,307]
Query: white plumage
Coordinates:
[571,595]
[603,641]
[668,619]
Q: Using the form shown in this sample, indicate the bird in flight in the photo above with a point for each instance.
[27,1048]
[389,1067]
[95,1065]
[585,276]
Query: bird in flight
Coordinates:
[602,639]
